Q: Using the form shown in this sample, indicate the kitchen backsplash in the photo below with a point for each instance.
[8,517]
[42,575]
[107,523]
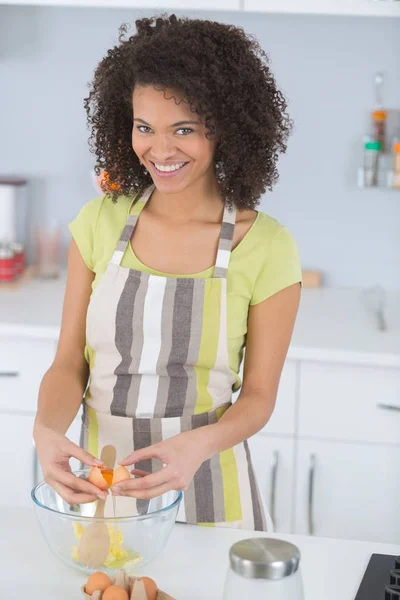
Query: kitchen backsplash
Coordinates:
[325,66]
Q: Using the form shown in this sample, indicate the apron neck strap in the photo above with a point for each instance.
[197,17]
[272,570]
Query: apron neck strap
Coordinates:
[130,225]
[225,242]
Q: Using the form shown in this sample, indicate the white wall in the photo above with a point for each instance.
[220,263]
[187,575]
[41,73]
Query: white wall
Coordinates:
[325,66]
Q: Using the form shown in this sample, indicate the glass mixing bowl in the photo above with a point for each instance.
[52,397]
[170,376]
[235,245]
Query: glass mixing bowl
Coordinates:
[138,531]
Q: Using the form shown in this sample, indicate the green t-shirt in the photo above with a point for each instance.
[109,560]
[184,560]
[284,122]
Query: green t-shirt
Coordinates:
[263,263]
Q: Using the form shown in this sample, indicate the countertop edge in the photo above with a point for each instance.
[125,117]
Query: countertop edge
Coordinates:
[312,354]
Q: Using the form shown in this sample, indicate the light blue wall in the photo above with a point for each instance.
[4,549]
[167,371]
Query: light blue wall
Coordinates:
[325,66]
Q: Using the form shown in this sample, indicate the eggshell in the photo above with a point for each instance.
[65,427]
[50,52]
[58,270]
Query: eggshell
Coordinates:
[150,586]
[104,478]
[120,474]
[96,477]
[97,581]
[115,592]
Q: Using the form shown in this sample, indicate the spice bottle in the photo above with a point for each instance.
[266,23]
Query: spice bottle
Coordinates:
[371,163]
[379,127]
[379,114]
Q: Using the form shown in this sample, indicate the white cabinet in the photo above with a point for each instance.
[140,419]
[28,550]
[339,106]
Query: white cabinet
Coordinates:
[149,4]
[19,470]
[379,8]
[326,7]
[20,467]
[349,403]
[272,458]
[23,362]
[348,491]
[337,467]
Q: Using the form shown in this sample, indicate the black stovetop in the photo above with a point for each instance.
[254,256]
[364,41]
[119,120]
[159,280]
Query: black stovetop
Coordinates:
[381,580]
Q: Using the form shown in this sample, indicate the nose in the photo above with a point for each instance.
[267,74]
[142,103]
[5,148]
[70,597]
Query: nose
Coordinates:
[163,147]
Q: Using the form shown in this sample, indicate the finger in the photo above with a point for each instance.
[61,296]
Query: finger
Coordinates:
[142,483]
[70,496]
[85,457]
[139,473]
[143,454]
[77,484]
[149,493]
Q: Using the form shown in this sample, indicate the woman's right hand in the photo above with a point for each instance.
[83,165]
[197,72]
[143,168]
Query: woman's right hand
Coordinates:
[54,451]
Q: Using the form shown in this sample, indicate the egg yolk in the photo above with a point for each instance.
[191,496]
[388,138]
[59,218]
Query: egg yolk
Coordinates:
[108,475]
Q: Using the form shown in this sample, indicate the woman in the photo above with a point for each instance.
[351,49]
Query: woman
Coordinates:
[173,273]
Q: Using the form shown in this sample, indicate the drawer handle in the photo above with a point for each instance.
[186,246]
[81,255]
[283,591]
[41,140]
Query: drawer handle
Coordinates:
[385,406]
[274,472]
[311,478]
[9,374]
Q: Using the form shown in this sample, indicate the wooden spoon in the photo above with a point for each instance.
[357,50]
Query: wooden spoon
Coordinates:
[94,544]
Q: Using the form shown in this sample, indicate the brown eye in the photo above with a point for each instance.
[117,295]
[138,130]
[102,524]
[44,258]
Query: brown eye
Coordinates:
[186,130]
[141,128]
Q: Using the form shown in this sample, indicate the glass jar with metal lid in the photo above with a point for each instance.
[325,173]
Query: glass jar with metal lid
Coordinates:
[264,569]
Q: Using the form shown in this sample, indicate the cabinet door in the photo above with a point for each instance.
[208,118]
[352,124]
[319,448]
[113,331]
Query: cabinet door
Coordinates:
[353,403]
[348,491]
[23,362]
[272,458]
[167,4]
[20,468]
[20,471]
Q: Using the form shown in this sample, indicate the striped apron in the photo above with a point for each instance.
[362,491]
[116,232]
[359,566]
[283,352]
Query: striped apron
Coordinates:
[160,367]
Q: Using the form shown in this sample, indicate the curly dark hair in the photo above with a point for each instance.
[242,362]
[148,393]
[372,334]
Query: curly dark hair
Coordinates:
[223,74]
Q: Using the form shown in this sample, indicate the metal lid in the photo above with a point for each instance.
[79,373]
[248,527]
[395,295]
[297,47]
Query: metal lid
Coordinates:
[264,558]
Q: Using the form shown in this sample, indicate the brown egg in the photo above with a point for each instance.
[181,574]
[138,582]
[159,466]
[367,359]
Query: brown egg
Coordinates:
[105,478]
[120,474]
[150,586]
[97,581]
[115,592]
[96,476]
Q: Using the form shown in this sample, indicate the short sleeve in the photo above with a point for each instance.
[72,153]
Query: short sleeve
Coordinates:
[280,269]
[83,230]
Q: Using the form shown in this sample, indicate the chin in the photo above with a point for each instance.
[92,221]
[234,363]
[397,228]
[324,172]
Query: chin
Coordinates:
[171,187]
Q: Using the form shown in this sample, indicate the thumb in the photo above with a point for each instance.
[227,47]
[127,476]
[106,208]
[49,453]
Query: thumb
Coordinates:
[85,457]
[142,454]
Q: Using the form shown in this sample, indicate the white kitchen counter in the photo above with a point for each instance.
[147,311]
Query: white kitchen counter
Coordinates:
[333,324]
[191,567]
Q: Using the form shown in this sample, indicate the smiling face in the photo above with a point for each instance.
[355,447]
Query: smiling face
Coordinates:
[170,140]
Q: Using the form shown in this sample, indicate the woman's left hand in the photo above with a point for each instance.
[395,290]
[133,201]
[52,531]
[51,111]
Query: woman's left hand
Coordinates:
[181,455]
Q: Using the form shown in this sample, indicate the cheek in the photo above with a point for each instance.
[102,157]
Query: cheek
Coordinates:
[139,145]
[202,150]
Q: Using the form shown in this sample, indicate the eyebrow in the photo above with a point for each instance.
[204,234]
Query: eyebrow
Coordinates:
[179,123]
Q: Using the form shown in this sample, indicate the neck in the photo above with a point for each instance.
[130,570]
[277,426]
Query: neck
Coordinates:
[201,200]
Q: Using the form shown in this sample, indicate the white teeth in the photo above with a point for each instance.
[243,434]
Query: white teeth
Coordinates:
[168,168]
